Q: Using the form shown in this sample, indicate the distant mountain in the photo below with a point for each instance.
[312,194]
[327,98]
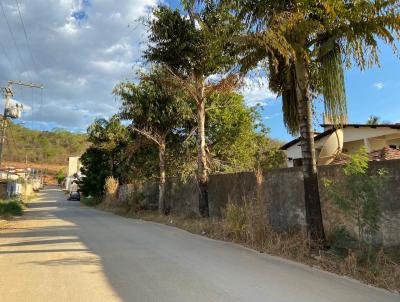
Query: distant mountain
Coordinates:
[51,147]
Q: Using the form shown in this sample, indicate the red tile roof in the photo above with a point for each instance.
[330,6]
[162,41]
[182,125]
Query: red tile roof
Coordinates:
[386,153]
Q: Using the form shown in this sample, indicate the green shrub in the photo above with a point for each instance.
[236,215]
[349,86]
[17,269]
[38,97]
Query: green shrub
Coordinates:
[236,220]
[342,241]
[10,208]
[357,196]
[91,201]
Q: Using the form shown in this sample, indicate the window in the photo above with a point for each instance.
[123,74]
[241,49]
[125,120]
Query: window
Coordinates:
[297,162]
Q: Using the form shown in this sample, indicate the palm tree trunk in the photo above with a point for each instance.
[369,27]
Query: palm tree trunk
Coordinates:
[314,221]
[161,183]
[202,160]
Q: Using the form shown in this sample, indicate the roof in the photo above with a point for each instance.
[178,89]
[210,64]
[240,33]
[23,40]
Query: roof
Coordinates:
[330,131]
[385,153]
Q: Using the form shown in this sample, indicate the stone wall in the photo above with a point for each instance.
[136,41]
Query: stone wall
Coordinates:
[282,193]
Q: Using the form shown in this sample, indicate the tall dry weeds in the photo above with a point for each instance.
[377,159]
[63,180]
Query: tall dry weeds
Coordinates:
[111,190]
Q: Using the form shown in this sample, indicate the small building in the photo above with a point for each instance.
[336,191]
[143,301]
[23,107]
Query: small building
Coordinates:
[74,167]
[347,140]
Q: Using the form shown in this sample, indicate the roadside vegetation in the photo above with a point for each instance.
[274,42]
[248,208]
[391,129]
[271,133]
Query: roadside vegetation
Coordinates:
[10,208]
[350,249]
[185,117]
[44,147]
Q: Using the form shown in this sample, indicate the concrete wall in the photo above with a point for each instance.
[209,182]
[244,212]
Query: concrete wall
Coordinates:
[282,193]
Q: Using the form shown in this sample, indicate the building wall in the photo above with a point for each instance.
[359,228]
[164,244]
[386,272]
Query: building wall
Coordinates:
[282,193]
[74,165]
[354,138]
[353,146]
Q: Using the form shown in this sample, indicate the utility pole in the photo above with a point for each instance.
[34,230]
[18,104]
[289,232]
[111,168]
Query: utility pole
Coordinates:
[10,111]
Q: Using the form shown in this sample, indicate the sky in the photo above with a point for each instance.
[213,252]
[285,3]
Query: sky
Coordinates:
[80,49]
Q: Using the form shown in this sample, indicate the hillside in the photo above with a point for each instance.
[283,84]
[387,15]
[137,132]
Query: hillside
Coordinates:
[46,147]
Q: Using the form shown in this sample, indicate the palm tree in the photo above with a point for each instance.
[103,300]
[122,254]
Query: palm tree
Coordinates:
[305,46]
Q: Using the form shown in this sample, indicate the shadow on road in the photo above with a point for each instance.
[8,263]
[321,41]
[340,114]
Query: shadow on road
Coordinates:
[148,262]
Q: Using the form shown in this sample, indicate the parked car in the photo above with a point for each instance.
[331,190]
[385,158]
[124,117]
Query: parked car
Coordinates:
[74,196]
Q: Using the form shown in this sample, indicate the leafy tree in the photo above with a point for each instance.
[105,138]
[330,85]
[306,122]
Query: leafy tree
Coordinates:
[305,46]
[193,49]
[42,146]
[108,135]
[156,112]
[104,156]
[60,176]
[95,169]
[235,138]
[373,120]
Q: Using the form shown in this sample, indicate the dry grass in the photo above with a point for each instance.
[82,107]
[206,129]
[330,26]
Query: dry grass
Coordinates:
[111,189]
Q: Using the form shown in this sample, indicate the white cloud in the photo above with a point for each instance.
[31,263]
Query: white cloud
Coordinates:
[82,49]
[378,85]
[272,116]
[255,91]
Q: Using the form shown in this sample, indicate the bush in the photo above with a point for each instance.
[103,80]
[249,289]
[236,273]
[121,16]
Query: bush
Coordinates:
[60,176]
[357,196]
[10,208]
[90,201]
[111,190]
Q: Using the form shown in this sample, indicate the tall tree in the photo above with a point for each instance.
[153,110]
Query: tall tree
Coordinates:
[305,45]
[156,111]
[107,135]
[108,139]
[193,49]
[373,120]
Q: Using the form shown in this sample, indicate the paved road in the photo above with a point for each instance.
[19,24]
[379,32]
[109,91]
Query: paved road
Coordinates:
[62,251]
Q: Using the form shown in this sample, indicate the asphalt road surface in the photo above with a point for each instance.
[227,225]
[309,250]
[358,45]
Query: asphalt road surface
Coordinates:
[62,251]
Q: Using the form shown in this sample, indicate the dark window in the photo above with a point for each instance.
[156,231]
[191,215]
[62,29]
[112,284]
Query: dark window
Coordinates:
[297,162]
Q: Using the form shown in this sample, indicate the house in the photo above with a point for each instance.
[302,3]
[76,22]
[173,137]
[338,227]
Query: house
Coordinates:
[349,139]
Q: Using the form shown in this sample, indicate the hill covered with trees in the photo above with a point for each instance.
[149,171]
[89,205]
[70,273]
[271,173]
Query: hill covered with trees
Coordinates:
[50,147]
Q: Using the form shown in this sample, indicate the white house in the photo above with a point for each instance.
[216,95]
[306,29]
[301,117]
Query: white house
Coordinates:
[352,137]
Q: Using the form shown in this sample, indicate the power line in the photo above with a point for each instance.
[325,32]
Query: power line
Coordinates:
[12,36]
[7,58]
[26,38]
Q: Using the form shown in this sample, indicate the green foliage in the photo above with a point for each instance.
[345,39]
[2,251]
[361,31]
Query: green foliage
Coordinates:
[237,219]
[236,140]
[10,208]
[327,35]
[95,169]
[53,147]
[199,45]
[154,109]
[90,201]
[60,176]
[357,195]
[342,241]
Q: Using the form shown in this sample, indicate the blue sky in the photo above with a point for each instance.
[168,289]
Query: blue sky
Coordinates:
[83,48]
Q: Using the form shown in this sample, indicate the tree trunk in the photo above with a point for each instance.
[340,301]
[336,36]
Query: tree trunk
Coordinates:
[202,160]
[161,183]
[314,221]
